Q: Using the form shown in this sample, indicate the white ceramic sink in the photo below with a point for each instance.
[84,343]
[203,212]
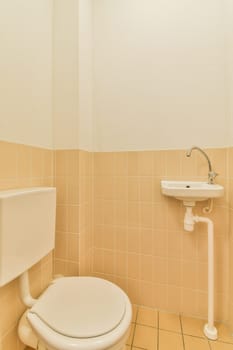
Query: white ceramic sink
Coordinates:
[191,191]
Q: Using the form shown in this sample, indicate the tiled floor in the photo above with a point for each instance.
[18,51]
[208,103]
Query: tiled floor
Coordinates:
[157,330]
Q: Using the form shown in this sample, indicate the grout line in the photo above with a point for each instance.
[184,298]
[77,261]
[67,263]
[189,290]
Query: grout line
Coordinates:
[220,341]
[195,336]
[136,318]
[182,332]
[158,331]
[146,325]
[170,331]
[134,329]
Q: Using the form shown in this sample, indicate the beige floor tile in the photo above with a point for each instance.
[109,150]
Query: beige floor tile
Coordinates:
[220,346]
[169,322]
[193,343]
[170,340]
[127,347]
[147,317]
[193,326]
[145,338]
[224,333]
[135,311]
[132,330]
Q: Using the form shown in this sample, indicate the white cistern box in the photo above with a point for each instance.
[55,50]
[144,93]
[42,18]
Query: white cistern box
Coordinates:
[27,229]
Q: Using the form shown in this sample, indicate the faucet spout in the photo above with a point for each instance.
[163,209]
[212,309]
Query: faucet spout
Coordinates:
[211,174]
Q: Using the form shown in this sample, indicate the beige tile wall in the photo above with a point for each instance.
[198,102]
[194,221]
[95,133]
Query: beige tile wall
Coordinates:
[67,218]
[230,162]
[22,166]
[73,179]
[86,211]
[139,241]
[71,172]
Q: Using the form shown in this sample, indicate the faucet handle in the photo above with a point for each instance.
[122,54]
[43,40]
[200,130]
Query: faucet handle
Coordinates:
[211,176]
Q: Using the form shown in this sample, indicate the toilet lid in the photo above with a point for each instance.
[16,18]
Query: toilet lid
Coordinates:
[81,307]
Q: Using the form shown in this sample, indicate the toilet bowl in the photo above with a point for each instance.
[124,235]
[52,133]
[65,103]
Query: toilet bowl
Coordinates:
[81,313]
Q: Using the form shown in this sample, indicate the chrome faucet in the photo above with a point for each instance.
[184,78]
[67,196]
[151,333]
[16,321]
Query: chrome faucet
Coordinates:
[211,174]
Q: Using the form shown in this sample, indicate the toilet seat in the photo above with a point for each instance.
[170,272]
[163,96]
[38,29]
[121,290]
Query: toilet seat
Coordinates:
[81,313]
[82,307]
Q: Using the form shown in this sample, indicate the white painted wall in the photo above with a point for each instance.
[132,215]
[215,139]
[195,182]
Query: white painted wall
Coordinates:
[72,83]
[26,71]
[162,75]
[229,64]
[85,75]
[65,74]
[159,74]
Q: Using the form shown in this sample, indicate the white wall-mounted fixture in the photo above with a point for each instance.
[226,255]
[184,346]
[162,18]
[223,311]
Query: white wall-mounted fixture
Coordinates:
[19,249]
[189,192]
[189,220]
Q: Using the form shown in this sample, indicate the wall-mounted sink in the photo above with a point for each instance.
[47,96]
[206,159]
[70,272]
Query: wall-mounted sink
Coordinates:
[191,191]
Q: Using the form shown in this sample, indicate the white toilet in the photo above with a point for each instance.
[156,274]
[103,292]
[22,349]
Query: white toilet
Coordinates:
[74,313]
